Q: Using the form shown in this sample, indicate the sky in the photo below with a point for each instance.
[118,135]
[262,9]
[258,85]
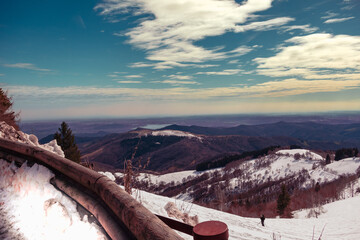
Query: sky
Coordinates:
[125,58]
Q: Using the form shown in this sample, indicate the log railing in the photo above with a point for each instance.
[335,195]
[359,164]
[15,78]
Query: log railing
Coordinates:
[121,216]
[139,221]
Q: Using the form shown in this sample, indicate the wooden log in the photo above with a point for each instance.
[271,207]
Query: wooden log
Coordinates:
[106,220]
[140,221]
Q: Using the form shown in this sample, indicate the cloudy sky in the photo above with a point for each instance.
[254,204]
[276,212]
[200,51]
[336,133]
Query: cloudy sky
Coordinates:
[108,58]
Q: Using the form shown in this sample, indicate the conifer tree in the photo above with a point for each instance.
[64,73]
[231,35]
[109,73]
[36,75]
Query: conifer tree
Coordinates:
[6,113]
[283,200]
[328,159]
[66,140]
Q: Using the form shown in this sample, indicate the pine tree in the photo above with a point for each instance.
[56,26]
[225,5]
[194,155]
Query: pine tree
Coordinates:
[6,113]
[66,140]
[283,200]
[328,159]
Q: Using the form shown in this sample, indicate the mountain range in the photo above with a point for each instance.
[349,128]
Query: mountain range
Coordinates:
[187,146]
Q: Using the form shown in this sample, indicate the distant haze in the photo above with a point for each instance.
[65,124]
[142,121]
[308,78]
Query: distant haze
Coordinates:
[101,127]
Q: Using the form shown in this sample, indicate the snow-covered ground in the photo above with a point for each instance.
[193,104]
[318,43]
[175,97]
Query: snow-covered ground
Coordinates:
[340,221]
[31,207]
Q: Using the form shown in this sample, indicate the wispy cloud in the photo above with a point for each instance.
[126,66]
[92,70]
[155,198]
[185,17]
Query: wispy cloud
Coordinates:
[163,65]
[337,20]
[80,22]
[119,75]
[112,75]
[329,14]
[169,35]
[273,89]
[225,72]
[134,76]
[264,25]
[177,82]
[305,28]
[129,81]
[315,56]
[236,61]
[28,66]
[179,77]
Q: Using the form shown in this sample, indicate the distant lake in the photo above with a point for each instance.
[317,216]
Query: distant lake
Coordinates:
[154,126]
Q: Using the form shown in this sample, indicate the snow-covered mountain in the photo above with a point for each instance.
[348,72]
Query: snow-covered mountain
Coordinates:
[257,182]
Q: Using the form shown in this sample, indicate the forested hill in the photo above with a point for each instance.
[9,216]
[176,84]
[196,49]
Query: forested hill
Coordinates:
[330,136]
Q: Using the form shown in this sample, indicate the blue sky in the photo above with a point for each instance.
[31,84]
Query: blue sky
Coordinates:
[122,58]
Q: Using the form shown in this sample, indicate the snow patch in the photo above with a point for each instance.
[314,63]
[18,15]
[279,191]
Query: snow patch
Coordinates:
[9,133]
[109,175]
[176,133]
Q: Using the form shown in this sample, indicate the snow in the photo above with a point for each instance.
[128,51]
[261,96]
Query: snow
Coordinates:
[34,208]
[176,133]
[345,166]
[30,207]
[341,220]
[167,178]
[284,164]
[9,133]
[175,177]
[305,152]
[109,175]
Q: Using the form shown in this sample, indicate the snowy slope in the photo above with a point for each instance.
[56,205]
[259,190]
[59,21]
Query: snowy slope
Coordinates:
[168,133]
[341,221]
[174,133]
[283,163]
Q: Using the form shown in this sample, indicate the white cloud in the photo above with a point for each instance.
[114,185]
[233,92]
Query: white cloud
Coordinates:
[178,83]
[179,77]
[337,20]
[225,72]
[162,65]
[133,76]
[141,65]
[234,61]
[264,25]
[113,75]
[330,14]
[273,89]
[239,51]
[315,56]
[28,66]
[169,34]
[129,82]
[306,28]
